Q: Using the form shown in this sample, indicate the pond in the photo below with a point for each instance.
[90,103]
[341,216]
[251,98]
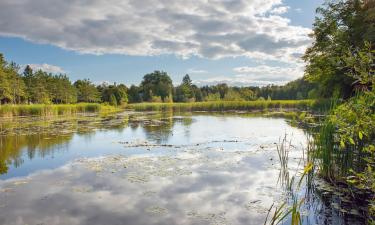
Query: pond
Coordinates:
[149,168]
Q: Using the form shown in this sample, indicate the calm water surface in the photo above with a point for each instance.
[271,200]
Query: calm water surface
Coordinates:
[146,169]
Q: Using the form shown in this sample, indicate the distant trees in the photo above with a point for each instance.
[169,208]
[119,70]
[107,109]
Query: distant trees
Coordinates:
[156,85]
[134,94]
[44,88]
[297,89]
[185,91]
[12,86]
[113,94]
[87,91]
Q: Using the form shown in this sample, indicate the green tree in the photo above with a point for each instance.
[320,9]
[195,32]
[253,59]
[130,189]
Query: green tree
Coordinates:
[118,91]
[17,85]
[5,90]
[112,100]
[28,77]
[341,26]
[62,90]
[86,91]
[157,84]
[134,94]
[185,92]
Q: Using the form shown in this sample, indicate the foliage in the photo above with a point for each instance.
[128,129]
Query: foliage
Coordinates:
[157,83]
[185,91]
[341,26]
[114,94]
[298,89]
[53,110]
[87,91]
[277,105]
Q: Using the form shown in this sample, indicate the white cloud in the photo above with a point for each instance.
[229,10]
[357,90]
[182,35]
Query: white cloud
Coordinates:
[206,28]
[280,10]
[47,68]
[196,71]
[257,76]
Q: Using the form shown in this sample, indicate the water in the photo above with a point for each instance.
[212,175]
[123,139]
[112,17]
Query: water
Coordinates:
[146,169]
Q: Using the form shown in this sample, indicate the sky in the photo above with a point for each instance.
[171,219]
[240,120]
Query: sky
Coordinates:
[239,42]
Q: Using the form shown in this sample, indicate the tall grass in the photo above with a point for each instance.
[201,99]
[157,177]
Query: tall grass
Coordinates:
[291,207]
[274,105]
[53,110]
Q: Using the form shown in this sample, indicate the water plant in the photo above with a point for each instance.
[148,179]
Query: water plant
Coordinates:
[291,207]
[54,110]
[258,105]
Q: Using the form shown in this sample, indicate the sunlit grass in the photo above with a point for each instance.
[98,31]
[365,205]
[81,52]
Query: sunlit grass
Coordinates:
[231,105]
[54,110]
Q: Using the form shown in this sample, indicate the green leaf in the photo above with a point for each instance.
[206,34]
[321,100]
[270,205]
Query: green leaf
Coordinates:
[342,144]
[360,135]
[351,141]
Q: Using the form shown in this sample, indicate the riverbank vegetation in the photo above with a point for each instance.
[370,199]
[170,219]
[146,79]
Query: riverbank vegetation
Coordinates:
[54,110]
[258,105]
[341,63]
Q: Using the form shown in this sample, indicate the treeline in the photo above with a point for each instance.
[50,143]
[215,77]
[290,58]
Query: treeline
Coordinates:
[40,87]
[158,87]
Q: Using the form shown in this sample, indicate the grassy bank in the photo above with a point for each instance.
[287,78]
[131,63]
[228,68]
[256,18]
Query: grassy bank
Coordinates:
[54,110]
[274,105]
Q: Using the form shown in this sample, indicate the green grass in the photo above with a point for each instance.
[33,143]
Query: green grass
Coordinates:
[274,105]
[54,110]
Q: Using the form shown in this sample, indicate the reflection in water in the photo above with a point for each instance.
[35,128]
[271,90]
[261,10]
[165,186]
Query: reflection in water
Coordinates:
[192,187]
[14,149]
[135,168]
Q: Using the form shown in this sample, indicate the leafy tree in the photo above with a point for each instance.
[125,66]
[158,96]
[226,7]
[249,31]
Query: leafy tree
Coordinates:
[222,89]
[87,91]
[16,83]
[118,91]
[185,92]
[197,93]
[112,100]
[233,95]
[341,26]
[28,77]
[62,90]
[5,91]
[134,94]
[157,84]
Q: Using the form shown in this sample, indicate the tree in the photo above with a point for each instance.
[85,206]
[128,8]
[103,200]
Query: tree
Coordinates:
[62,90]
[17,85]
[28,77]
[222,89]
[186,80]
[134,94]
[86,91]
[5,91]
[112,100]
[118,91]
[342,26]
[157,84]
[185,92]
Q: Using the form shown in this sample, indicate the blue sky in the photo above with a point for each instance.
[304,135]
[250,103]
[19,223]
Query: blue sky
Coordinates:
[240,42]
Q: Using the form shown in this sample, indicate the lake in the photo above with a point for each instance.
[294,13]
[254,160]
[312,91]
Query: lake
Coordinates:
[150,168]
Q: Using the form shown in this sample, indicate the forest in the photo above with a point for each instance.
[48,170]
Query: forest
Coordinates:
[39,87]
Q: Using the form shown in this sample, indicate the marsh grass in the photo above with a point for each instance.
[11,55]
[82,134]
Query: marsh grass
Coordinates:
[292,185]
[259,105]
[54,110]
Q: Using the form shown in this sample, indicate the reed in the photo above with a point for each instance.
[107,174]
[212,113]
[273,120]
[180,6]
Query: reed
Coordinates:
[54,110]
[290,209]
[259,105]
